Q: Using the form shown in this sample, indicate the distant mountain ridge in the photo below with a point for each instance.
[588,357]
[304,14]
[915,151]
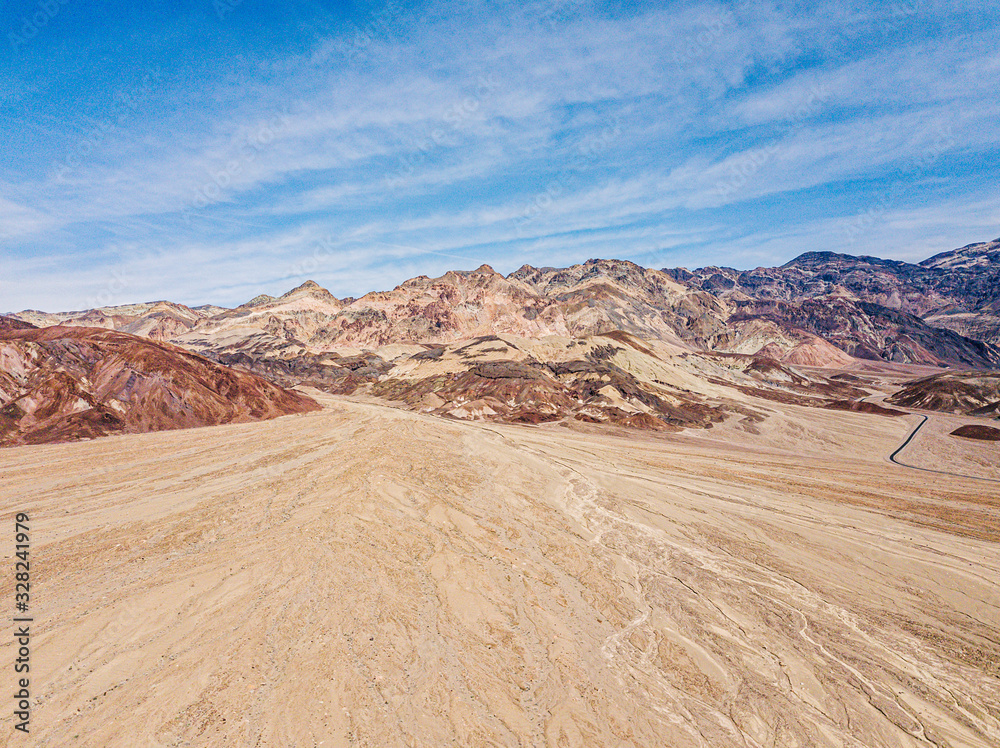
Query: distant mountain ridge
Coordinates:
[158,320]
[821,308]
[958,290]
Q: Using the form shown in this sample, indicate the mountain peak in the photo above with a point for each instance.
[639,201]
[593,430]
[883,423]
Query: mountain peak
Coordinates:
[309,288]
[811,258]
[825,257]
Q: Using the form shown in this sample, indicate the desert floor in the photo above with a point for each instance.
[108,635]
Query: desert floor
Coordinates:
[372,577]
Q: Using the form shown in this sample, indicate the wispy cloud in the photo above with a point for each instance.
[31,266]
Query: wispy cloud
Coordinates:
[389,143]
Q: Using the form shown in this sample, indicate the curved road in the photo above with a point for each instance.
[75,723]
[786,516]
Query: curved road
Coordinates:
[901,447]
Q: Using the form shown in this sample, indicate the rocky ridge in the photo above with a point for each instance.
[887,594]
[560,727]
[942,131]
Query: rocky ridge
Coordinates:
[975,393]
[958,290]
[65,383]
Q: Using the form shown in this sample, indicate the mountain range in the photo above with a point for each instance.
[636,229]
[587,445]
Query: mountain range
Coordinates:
[603,341]
[820,308]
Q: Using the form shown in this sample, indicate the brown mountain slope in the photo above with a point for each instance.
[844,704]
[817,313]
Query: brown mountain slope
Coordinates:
[870,331]
[592,298]
[975,431]
[958,290]
[970,393]
[13,323]
[65,383]
[298,314]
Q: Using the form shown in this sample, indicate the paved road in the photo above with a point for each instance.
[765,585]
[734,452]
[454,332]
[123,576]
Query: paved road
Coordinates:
[901,447]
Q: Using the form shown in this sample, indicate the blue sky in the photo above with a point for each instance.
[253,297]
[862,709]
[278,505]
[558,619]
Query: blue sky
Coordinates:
[211,150]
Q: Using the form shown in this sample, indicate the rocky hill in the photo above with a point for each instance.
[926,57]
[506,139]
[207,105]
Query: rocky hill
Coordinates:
[958,290]
[613,378]
[64,383]
[867,330]
[969,393]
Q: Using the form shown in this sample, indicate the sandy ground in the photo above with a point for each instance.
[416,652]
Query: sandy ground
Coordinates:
[934,445]
[934,448]
[364,576]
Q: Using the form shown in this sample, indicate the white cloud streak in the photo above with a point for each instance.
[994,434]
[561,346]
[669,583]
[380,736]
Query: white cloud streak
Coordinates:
[471,136]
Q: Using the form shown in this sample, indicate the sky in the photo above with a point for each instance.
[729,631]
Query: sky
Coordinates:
[211,150]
